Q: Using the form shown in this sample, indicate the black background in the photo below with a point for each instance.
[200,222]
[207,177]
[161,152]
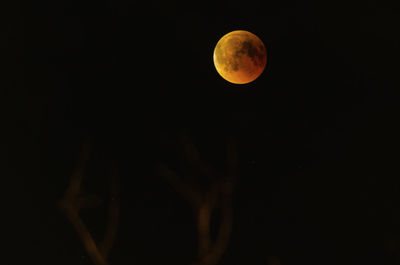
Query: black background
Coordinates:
[317,130]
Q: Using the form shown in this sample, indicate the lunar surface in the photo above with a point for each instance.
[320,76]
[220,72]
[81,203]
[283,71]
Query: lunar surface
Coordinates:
[240,57]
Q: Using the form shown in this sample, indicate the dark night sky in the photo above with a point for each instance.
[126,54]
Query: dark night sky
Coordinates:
[317,131]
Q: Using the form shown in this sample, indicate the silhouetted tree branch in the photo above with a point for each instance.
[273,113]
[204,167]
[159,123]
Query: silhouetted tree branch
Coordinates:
[217,195]
[73,201]
[180,187]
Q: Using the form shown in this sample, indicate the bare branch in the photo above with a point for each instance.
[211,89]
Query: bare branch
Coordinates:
[220,246]
[76,178]
[85,236]
[176,182]
[224,232]
[113,213]
[193,157]
[219,192]
[72,202]
[225,190]
[203,229]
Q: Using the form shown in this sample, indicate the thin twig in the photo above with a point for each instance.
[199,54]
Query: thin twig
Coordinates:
[193,157]
[182,188]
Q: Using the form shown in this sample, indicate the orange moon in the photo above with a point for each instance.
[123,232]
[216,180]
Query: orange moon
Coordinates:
[240,57]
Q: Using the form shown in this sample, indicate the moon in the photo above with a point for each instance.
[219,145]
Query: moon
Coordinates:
[240,57]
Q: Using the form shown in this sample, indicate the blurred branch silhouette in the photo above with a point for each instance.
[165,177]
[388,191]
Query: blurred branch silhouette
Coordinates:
[74,201]
[205,198]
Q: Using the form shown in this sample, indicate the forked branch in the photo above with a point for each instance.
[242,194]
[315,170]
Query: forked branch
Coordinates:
[73,201]
[218,196]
